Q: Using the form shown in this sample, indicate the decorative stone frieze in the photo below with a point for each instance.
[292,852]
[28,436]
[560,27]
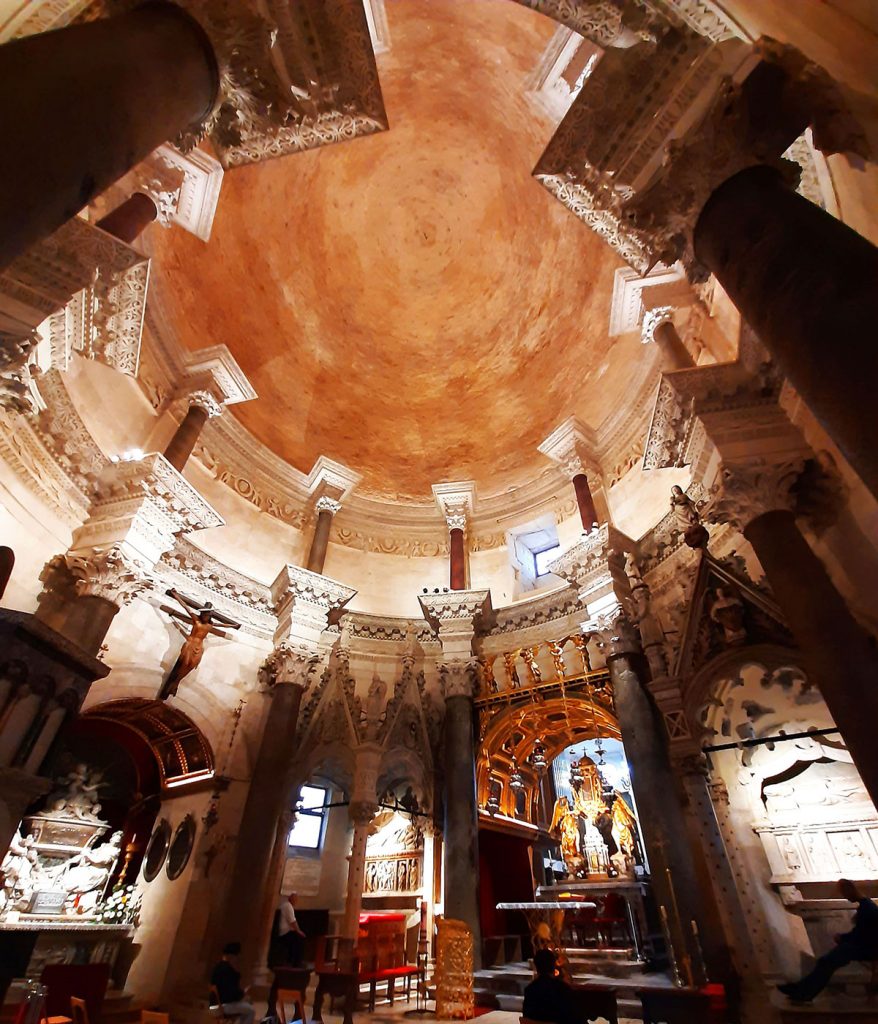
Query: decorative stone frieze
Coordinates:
[92,288]
[595,564]
[292,77]
[303,602]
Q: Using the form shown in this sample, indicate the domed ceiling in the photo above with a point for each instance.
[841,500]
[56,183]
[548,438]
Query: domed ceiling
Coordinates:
[412,304]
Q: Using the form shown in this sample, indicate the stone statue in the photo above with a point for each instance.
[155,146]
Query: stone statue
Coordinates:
[77,795]
[632,569]
[375,702]
[86,874]
[203,620]
[20,869]
[687,518]
[727,611]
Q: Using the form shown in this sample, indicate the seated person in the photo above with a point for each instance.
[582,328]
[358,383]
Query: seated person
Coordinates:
[226,979]
[548,997]
[860,943]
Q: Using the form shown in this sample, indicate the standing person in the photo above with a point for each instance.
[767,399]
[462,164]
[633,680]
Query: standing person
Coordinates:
[226,980]
[860,943]
[291,936]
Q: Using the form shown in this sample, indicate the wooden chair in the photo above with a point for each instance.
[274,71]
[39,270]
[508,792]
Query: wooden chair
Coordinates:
[216,1007]
[295,999]
[675,1006]
[612,914]
[78,1011]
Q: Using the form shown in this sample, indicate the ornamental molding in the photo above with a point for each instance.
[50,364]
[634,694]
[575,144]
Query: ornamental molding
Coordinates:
[456,502]
[216,371]
[456,607]
[594,561]
[292,77]
[387,628]
[31,18]
[631,292]
[295,583]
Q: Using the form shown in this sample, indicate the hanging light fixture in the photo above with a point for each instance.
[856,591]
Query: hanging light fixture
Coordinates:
[492,805]
[538,758]
[516,781]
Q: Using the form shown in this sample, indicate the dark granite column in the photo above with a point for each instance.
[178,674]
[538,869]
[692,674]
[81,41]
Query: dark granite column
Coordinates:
[659,328]
[130,219]
[838,653]
[806,284]
[674,878]
[461,817]
[91,101]
[585,501]
[268,800]
[326,510]
[186,436]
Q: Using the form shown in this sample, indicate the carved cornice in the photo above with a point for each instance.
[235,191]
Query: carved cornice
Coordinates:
[594,561]
[296,584]
[456,606]
[293,77]
[572,445]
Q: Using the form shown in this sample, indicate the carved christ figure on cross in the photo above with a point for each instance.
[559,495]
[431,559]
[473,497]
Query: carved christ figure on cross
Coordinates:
[203,620]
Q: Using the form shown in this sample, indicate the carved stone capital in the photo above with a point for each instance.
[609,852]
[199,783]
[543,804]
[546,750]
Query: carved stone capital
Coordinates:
[303,601]
[652,319]
[747,491]
[16,382]
[459,678]
[456,522]
[207,401]
[361,812]
[290,665]
[110,574]
[618,637]
[455,617]
[327,504]
[573,446]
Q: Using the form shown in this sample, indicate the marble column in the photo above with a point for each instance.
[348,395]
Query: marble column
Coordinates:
[461,807]
[672,870]
[585,502]
[202,407]
[130,219]
[658,329]
[362,812]
[106,93]
[326,510]
[805,282]
[837,652]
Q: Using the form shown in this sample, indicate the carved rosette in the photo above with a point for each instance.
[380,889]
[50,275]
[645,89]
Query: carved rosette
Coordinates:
[110,574]
[748,491]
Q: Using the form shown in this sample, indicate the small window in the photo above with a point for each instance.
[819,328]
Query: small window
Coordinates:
[307,832]
[544,557]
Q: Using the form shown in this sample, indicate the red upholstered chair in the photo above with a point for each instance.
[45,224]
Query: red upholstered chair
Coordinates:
[612,914]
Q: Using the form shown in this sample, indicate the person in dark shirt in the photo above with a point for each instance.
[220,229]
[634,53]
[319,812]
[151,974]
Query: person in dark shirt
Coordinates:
[226,980]
[860,943]
[548,997]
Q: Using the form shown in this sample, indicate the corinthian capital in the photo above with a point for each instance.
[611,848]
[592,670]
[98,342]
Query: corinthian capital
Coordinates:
[618,636]
[290,665]
[110,574]
[206,401]
[748,491]
[653,319]
[459,678]
[16,353]
[327,504]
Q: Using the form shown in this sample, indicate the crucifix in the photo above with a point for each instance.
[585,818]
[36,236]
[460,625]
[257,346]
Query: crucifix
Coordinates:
[203,620]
